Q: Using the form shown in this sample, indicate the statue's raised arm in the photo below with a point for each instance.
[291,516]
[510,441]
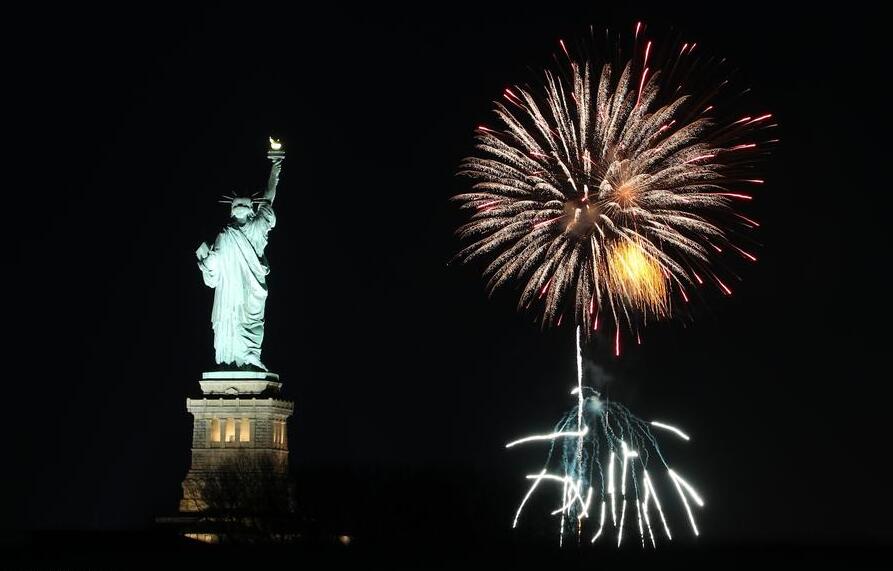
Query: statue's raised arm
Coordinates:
[277,155]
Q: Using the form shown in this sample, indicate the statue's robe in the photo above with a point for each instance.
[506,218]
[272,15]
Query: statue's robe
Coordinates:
[237,268]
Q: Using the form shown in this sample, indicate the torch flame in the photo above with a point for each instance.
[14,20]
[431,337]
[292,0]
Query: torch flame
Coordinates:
[275,145]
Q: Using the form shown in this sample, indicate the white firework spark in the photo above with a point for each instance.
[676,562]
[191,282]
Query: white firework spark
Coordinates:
[606,432]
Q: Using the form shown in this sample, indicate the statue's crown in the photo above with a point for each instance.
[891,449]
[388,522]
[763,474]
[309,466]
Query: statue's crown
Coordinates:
[231,199]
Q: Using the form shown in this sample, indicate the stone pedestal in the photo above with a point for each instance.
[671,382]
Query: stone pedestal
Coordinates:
[239,447]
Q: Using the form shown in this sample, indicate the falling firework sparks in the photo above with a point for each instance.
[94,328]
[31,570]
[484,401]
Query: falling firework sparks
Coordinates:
[606,190]
[599,455]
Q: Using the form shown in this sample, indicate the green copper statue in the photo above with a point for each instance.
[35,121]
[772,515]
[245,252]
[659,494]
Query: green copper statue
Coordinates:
[236,268]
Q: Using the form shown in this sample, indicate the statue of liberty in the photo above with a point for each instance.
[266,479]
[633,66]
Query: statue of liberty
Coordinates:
[236,267]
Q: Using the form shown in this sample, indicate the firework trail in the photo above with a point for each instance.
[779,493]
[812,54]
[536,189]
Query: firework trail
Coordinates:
[599,456]
[609,191]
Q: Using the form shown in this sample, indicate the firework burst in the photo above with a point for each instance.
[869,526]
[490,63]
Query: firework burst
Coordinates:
[610,190]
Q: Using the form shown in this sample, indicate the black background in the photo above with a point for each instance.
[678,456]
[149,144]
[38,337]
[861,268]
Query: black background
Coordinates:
[407,379]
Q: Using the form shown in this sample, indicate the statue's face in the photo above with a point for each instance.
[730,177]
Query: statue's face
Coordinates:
[241,209]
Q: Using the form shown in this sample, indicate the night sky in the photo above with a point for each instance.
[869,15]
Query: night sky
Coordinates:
[407,379]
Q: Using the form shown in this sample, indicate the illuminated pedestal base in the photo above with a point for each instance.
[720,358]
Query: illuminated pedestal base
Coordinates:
[239,470]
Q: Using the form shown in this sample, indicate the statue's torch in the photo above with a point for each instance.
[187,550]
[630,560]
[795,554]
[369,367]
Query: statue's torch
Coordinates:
[275,151]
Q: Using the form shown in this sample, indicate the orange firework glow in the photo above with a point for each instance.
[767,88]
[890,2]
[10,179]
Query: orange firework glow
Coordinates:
[638,278]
